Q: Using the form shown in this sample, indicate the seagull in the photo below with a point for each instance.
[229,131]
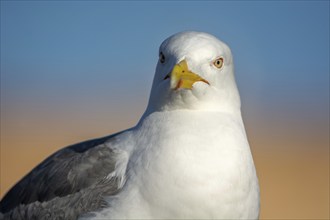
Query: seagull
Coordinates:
[188,157]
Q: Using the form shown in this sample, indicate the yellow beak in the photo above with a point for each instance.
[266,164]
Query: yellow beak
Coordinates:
[182,77]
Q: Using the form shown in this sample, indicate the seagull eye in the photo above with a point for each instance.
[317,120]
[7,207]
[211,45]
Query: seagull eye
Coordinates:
[218,63]
[161,57]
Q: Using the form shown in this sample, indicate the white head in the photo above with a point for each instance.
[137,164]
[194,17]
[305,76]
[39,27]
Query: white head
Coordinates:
[195,71]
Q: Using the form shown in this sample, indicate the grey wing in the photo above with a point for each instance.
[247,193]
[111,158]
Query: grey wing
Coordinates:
[69,183]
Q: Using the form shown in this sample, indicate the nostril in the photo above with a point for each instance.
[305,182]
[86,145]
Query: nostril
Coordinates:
[167,76]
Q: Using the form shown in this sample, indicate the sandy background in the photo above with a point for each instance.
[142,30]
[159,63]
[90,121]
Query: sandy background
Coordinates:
[294,177]
[76,70]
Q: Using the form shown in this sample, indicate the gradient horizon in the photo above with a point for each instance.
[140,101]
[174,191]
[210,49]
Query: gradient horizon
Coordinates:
[76,70]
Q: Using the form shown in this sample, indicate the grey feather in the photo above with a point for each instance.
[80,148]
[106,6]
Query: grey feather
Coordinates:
[69,183]
[68,207]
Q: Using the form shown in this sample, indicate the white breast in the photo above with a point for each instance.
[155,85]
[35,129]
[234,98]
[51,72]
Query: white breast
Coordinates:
[189,165]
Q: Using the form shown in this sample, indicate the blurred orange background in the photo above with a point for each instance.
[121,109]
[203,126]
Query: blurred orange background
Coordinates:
[292,160]
[76,70]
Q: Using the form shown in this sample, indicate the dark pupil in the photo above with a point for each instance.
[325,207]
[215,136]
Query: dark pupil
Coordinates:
[161,57]
[218,62]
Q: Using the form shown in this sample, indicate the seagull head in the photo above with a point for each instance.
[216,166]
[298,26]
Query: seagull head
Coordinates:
[195,72]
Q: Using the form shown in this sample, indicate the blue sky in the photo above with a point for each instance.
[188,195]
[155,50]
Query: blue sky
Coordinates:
[68,55]
[75,70]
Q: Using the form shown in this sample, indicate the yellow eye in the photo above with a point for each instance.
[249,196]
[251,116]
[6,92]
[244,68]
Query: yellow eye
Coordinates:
[218,62]
[161,57]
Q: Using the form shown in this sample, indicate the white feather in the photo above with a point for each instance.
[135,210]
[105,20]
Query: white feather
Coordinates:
[189,156]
